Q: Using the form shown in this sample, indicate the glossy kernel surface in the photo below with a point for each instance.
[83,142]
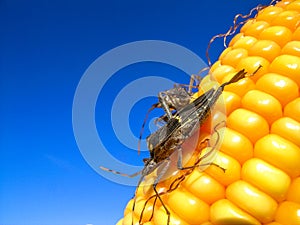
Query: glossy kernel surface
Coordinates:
[281,87]
[248,123]
[263,104]
[267,178]
[279,152]
[252,200]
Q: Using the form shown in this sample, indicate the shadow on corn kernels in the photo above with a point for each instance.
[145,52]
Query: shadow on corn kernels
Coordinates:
[233,221]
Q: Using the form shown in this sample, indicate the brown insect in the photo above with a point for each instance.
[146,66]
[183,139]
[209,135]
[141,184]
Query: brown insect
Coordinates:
[169,139]
[173,100]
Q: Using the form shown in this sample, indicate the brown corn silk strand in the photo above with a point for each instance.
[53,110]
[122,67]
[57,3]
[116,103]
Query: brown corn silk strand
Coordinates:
[232,30]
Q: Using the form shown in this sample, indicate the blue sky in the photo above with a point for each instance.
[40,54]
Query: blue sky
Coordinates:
[45,48]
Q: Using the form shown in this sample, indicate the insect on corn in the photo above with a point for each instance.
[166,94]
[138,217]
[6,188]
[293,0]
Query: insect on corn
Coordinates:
[169,138]
[173,100]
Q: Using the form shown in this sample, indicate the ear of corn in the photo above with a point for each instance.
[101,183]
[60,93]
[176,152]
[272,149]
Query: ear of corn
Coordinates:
[260,147]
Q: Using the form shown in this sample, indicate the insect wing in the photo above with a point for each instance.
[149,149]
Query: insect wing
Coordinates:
[161,135]
[198,105]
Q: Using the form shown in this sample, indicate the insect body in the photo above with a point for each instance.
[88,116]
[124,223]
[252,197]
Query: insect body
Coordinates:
[178,128]
[184,123]
[169,138]
[172,100]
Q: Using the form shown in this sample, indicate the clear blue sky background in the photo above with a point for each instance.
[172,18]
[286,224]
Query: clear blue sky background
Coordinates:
[45,47]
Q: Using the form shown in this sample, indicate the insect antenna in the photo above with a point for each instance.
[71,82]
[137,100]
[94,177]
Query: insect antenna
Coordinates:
[122,174]
[238,76]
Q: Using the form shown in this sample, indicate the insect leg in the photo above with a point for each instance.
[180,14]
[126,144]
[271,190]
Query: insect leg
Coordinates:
[162,100]
[179,161]
[194,83]
[173,99]
[143,125]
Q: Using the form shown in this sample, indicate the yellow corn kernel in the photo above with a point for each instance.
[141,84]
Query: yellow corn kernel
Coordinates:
[269,14]
[219,73]
[288,129]
[120,222]
[235,38]
[285,3]
[251,63]
[128,207]
[204,187]
[266,49]
[282,88]
[267,178]
[273,223]
[224,53]
[231,166]
[217,64]
[279,34]
[294,6]
[288,213]
[139,207]
[160,217]
[289,19]
[206,223]
[241,87]
[224,212]
[232,143]
[293,194]
[296,35]
[287,65]
[234,56]
[245,42]
[248,123]
[208,83]
[128,219]
[280,153]
[254,28]
[231,100]
[191,209]
[247,25]
[255,202]
[291,48]
[263,104]
[292,109]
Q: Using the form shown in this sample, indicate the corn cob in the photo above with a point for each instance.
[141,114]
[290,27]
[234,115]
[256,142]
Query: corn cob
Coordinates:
[260,148]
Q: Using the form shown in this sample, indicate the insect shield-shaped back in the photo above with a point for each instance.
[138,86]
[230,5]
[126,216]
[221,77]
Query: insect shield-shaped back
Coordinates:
[173,145]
